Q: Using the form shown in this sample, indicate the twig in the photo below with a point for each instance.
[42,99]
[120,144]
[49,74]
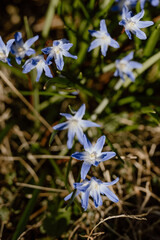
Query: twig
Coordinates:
[137,217]
[40,187]
[31,108]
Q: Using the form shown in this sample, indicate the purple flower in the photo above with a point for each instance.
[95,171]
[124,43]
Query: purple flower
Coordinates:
[125,66]
[154,3]
[93,188]
[4,51]
[92,155]
[39,63]
[133,24]
[75,125]
[103,39]
[60,48]
[21,49]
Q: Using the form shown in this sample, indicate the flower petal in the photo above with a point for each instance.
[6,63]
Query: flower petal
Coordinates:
[30,41]
[99,144]
[61,126]
[106,191]
[79,134]
[85,199]
[81,111]
[94,44]
[144,24]
[104,48]
[87,144]
[71,134]
[85,169]
[79,155]
[107,155]
[59,61]
[103,27]
[66,115]
[87,123]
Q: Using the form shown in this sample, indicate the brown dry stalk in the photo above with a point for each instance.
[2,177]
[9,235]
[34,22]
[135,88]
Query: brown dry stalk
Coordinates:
[31,108]
[137,217]
[40,187]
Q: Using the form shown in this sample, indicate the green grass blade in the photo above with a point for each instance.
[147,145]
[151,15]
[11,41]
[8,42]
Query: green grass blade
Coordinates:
[28,210]
[49,16]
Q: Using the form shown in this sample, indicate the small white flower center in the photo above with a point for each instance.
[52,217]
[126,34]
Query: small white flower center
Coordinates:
[93,156]
[2,56]
[106,39]
[130,25]
[74,122]
[94,185]
[20,50]
[56,50]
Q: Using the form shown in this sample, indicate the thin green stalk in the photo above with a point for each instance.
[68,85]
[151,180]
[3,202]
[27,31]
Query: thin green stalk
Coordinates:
[49,17]
[27,211]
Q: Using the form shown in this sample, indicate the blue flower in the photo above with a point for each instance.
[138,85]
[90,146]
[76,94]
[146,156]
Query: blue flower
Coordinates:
[4,51]
[21,49]
[103,39]
[75,124]
[92,155]
[60,48]
[93,188]
[128,3]
[125,66]
[154,3]
[132,24]
[39,63]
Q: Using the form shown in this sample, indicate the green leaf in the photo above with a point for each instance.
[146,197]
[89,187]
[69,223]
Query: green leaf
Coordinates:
[49,17]
[152,41]
[5,131]
[52,137]
[27,211]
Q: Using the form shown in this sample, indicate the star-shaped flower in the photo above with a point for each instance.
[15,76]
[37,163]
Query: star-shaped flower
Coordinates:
[21,49]
[133,24]
[94,188]
[4,51]
[103,39]
[125,66]
[39,63]
[154,3]
[75,125]
[92,155]
[60,48]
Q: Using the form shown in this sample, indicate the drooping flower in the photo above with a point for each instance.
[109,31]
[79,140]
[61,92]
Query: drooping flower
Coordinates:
[154,3]
[75,125]
[39,63]
[133,24]
[92,155]
[21,49]
[93,188]
[103,39]
[4,51]
[124,67]
[60,48]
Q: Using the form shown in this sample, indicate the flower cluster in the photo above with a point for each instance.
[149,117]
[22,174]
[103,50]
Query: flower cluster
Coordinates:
[20,49]
[92,155]
[60,48]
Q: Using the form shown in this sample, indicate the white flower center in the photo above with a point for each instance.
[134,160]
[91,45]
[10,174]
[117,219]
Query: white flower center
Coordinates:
[93,156]
[2,56]
[94,185]
[122,66]
[74,122]
[56,50]
[20,50]
[106,39]
[130,25]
